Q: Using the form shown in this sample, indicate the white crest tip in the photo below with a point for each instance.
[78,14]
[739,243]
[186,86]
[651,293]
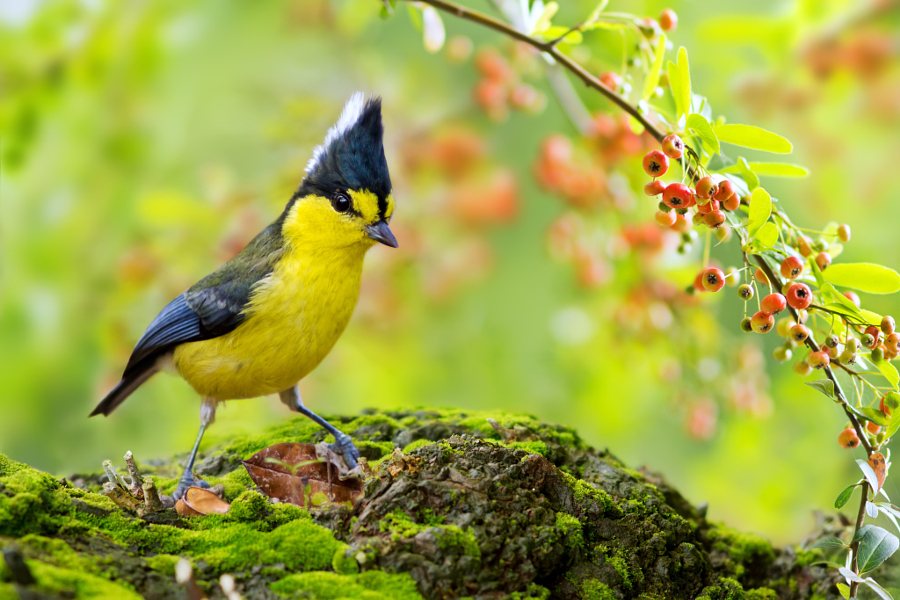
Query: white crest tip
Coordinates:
[349,116]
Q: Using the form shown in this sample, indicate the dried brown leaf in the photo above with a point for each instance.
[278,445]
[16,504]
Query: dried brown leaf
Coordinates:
[292,472]
[876,461]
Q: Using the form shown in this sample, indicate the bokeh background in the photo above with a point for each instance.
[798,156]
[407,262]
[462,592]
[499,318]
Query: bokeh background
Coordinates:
[143,143]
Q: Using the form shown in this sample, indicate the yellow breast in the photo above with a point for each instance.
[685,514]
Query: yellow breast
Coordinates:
[294,318]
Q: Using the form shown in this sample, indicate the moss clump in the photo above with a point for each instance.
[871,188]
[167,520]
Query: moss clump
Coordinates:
[344,563]
[534,592]
[532,447]
[371,585]
[583,491]
[762,594]
[415,445]
[591,589]
[725,589]
[164,563]
[571,529]
[84,585]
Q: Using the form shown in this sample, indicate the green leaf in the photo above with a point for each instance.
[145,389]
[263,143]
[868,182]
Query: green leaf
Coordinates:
[652,79]
[829,542]
[766,237]
[844,496]
[760,209]
[826,386]
[889,372]
[875,546]
[844,589]
[680,82]
[699,125]
[868,473]
[867,277]
[876,587]
[543,22]
[573,38]
[874,415]
[750,136]
[748,175]
[767,169]
[892,428]
[595,14]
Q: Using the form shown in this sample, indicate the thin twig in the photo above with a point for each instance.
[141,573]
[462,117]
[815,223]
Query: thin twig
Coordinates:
[854,546]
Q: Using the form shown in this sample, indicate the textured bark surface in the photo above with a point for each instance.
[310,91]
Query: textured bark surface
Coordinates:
[454,507]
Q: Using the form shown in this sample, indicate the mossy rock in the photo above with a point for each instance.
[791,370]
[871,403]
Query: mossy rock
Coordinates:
[478,505]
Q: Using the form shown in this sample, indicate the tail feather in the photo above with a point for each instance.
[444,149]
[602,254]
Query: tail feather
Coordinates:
[131,381]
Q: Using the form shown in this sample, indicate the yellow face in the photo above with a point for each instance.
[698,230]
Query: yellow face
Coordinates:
[346,219]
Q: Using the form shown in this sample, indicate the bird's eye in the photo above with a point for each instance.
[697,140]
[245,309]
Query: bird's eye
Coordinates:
[340,202]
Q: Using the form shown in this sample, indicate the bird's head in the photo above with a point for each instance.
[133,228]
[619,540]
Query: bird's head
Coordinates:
[345,199]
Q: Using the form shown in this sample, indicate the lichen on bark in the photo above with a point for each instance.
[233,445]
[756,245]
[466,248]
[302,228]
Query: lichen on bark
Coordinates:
[459,505]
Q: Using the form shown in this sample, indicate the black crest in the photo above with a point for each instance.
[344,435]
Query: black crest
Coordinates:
[352,156]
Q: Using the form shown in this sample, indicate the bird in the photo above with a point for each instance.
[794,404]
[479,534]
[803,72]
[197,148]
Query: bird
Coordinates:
[266,318]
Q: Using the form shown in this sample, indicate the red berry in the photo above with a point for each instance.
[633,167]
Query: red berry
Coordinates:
[852,297]
[707,188]
[705,209]
[678,195]
[666,219]
[656,163]
[799,296]
[713,279]
[673,146]
[791,267]
[732,203]
[714,219]
[611,80]
[848,438]
[876,335]
[887,324]
[818,360]
[654,188]
[823,259]
[799,333]
[843,232]
[873,428]
[773,304]
[760,276]
[668,20]
[762,322]
[725,191]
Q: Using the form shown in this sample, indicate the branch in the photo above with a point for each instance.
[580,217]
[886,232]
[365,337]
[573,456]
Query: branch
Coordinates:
[854,546]
[550,49]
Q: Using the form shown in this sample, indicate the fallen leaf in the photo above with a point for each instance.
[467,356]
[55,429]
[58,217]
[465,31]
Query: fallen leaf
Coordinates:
[199,501]
[876,461]
[292,472]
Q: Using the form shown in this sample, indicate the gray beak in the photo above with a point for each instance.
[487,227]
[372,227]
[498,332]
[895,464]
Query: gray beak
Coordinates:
[380,233]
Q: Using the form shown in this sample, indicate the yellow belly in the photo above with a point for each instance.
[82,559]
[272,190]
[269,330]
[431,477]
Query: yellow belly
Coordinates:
[293,320]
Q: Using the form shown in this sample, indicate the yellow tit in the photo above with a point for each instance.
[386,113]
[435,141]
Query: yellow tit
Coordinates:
[266,318]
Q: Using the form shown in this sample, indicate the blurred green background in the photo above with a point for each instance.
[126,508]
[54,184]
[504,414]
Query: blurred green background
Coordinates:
[143,143]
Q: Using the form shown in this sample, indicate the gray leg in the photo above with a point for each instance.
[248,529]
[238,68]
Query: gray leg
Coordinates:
[207,417]
[343,445]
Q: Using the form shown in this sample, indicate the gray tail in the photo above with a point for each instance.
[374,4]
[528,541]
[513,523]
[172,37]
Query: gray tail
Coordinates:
[131,381]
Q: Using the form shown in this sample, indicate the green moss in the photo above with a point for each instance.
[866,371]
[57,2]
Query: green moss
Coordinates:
[762,594]
[401,526]
[416,445]
[164,563]
[371,585]
[725,589]
[8,592]
[741,547]
[84,585]
[571,528]
[584,491]
[533,592]
[343,562]
[535,447]
[592,589]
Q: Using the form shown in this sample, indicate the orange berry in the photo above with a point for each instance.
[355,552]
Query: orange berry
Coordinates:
[656,163]
[762,322]
[666,219]
[668,20]
[848,438]
[791,267]
[673,146]
[713,279]
[823,259]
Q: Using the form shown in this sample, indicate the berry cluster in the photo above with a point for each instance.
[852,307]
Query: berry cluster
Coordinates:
[501,87]
[683,207]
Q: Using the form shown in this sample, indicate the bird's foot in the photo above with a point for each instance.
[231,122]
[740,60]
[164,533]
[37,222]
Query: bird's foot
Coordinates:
[344,446]
[188,481]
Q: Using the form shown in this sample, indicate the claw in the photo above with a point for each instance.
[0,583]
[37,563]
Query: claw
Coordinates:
[344,446]
[188,482]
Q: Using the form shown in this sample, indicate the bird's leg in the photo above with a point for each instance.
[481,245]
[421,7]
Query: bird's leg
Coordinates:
[343,445]
[207,417]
